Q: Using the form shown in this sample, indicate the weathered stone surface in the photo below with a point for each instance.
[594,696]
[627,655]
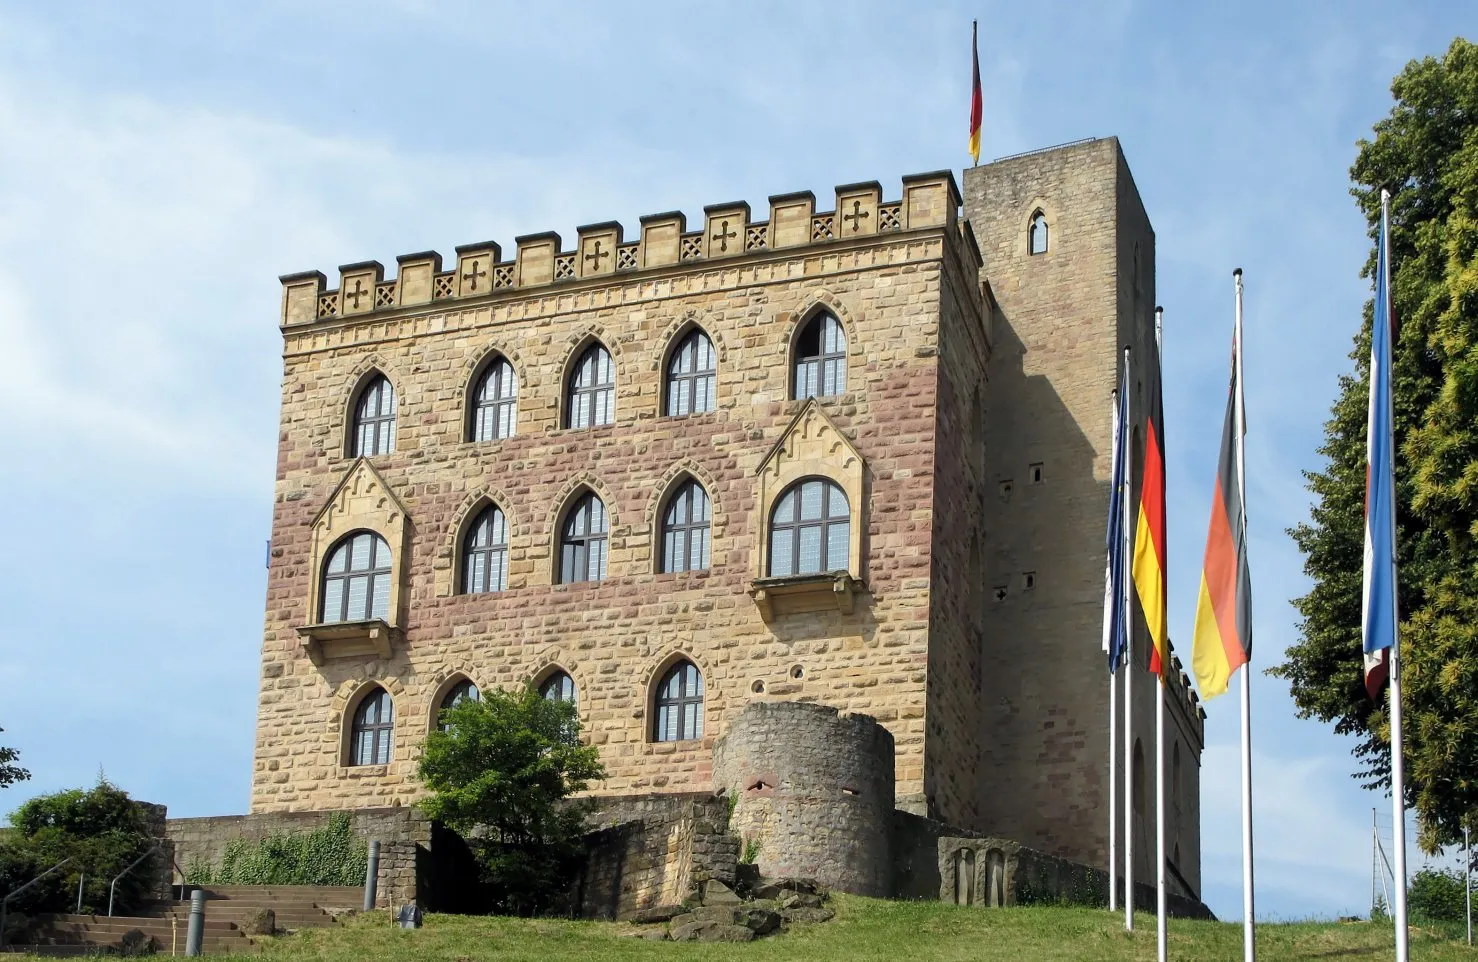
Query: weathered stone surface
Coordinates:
[717,893]
[652,933]
[657,913]
[261,923]
[709,931]
[760,920]
[807,914]
[803,900]
[808,885]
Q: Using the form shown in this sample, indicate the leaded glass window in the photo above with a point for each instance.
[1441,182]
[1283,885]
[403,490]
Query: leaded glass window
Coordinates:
[690,376]
[374,723]
[685,527]
[495,402]
[1039,233]
[485,553]
[583,542]
[592,399]
[820,358]
[810,529]
[460,692]
[374,419]
[559,687]
[356,580]
[679,704]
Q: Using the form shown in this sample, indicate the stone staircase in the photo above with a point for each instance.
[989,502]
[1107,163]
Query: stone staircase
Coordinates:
[229,910]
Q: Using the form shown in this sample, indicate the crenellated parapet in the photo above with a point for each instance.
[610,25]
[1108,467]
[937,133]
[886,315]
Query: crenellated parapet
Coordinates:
[929,200]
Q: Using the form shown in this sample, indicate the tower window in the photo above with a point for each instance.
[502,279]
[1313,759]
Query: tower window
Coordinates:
[820,366]
[685,529]
[374,723]
[374,419]
[495,402]
[460,692]
[1039,233]
[592,389]
[690,376]
[356,580]
[559,687]
[679,704]
[810,529]
[583,542]
[485,553]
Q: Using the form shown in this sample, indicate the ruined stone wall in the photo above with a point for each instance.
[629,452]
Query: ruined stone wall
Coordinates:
[653,850]
[814,792]
[618,636]
[404,835]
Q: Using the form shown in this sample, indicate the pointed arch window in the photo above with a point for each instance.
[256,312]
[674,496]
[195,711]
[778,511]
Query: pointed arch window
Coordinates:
[374,725]
[810,529]
[559,687]
[495,402]
[356,580]
[485,553]
[820,366]
[690,376]
[1038,233]
[583,542]
[463,690]
[685,530]
[592,389]
[374,418]
[679,704]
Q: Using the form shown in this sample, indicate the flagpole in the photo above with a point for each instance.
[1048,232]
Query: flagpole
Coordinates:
[1161,935]
[1113,784]
[1128,669]
[1398,762]
[1249,934]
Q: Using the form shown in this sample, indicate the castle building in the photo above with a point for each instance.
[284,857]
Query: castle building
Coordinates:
[854,457]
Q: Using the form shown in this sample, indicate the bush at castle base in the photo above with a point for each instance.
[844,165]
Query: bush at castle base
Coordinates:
[497,769]
[331,855]
[100,829]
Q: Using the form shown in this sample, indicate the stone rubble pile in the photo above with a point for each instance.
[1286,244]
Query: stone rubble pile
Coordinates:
[719,914]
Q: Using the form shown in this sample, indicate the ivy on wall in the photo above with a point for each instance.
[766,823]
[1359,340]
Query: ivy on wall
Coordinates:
[330,855]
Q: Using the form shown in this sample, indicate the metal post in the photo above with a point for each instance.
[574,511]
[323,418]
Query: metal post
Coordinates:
[1130,665]
[1468,881]
[195,934]
[81,877]
[1113,790]
[1239,430]
[371,876]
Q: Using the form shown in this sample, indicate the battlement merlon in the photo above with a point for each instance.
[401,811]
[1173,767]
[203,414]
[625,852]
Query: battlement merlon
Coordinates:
[930,201]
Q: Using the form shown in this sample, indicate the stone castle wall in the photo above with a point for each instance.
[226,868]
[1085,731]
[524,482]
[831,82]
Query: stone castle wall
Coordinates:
[615,637]
[814,793]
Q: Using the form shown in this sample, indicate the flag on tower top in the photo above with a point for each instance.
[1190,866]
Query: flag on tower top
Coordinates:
[1378,611]
[975,105]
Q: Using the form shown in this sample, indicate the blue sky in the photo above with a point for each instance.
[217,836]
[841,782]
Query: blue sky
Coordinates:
[162,163]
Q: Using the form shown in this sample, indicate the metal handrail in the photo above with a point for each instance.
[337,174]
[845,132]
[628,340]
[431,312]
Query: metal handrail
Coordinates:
[5,902]
[113,885]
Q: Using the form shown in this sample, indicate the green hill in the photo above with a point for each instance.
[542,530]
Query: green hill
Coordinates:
[865,929]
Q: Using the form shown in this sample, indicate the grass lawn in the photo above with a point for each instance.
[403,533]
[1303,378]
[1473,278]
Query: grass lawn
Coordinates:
[864,929]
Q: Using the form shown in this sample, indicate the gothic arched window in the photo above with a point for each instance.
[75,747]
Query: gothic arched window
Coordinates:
[559,687]
[458,693]
[679,704]
[810,529]
[374,723]
[582,555]
[356,580]
[690,376]
[685,526]
[592,389]
[374,418]
[1038,232]
[820,365]
[485,553]
[495,402]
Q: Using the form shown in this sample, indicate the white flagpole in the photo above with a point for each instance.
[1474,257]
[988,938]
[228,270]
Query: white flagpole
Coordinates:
[1113,789]
[1398,762]
[1468,882]
[1161,935]
[1249,935]
[1127,668]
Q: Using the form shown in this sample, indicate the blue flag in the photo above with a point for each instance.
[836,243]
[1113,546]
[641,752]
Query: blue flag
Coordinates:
[1378,614]
[1114,573]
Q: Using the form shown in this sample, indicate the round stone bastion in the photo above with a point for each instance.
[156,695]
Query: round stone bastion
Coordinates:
[813,793]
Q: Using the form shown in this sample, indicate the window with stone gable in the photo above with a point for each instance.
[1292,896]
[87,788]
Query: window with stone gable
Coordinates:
[583,542]
[374,724]
[820,367]
[1038,233]
[810,529]
[592,389]
[458,693]
[685,526]
[374,418]
[495,402]
[690,376]
[679,704]
[356,580]
[559,687]
[485,553]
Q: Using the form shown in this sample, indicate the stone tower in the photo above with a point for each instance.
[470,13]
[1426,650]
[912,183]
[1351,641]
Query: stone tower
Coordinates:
[1069,259]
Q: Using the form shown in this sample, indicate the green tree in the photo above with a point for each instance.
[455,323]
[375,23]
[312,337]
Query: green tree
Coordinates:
[500,771]
[10,773]
[1426,153]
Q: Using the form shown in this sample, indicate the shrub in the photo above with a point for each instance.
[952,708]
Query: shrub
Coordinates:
[1437,895]
[330,855]
[499,773]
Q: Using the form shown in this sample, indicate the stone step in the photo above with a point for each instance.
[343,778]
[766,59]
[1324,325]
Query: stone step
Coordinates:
[328,896]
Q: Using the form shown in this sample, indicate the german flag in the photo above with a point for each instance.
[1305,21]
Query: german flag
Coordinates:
[1149,533]
[1223,639]
[975,104]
